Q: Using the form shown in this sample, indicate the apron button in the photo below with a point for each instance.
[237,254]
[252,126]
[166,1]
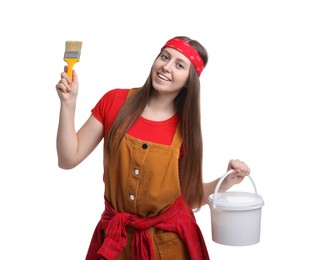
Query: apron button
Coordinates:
[137,171]
[144,146]
[132,197]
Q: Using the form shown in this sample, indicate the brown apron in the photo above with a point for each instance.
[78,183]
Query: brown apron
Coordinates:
[142,179]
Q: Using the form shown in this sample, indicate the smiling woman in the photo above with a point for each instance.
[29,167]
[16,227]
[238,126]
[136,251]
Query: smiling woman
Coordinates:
[152,158]
[170,72]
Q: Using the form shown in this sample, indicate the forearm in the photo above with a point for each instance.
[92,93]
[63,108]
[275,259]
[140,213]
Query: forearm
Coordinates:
[209,188]
[67,140]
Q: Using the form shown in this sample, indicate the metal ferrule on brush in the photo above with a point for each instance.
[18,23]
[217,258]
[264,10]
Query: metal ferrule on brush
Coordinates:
[72,55]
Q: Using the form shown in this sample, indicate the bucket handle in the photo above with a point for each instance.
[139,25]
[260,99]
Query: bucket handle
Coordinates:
[221,180]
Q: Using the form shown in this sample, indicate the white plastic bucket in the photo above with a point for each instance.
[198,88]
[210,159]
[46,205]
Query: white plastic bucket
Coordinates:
[235,216]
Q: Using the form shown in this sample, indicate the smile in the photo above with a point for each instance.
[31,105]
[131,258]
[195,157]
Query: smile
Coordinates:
[163,77]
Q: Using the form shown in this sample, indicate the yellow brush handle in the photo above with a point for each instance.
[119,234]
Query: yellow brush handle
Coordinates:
[70,63]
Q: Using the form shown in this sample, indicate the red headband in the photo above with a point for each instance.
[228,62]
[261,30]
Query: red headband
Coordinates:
[186,49]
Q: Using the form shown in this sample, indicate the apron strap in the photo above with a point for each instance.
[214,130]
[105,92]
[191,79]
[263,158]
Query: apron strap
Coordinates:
[177,139]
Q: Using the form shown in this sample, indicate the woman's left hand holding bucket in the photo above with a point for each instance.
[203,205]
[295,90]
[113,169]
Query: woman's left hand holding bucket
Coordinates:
[239,170]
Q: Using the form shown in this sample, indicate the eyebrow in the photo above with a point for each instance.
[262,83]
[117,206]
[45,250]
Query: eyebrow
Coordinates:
[178,59]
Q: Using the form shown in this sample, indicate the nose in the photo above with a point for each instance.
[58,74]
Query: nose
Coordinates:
[168,66]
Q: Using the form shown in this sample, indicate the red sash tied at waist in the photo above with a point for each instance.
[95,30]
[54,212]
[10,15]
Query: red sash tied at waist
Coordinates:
[178,218]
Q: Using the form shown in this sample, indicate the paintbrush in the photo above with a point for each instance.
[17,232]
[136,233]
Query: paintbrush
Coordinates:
[72,55]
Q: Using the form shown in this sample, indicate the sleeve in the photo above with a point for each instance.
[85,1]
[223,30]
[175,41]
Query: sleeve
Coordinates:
[108,107]
[103,106]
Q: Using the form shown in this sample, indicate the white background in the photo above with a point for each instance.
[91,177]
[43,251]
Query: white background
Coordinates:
[255,107]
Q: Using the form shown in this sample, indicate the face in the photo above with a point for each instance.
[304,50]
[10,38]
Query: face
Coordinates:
[170,71]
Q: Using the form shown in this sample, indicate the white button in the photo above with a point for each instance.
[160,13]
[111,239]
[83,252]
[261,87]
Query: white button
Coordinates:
[137,171]
[132,197]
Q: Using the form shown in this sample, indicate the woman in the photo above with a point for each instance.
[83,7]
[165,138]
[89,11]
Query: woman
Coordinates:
[153,158]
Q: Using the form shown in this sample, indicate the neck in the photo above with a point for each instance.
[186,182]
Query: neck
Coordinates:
[159,107]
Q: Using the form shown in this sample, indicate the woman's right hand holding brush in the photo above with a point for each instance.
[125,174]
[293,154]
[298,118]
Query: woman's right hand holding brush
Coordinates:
[67,89]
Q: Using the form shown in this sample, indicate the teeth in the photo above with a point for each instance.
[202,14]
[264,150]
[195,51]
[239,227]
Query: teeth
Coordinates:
[163,77]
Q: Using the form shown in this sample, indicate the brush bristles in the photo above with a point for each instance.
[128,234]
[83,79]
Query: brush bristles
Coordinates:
[73,50]
[73,46]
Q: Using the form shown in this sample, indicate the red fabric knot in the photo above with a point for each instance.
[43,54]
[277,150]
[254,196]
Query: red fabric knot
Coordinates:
[178,218]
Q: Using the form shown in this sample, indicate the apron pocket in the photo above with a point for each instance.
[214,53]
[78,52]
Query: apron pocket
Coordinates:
[170,246]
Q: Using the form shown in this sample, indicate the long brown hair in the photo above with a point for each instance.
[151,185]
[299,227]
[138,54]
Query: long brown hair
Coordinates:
[187,104]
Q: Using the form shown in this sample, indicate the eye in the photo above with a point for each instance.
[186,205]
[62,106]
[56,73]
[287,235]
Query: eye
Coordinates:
[180,66]
[164,56]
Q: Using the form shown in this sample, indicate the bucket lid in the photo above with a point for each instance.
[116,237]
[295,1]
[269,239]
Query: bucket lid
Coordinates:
[234,200]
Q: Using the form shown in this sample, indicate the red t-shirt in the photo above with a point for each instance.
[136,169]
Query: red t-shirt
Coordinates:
[108,107]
